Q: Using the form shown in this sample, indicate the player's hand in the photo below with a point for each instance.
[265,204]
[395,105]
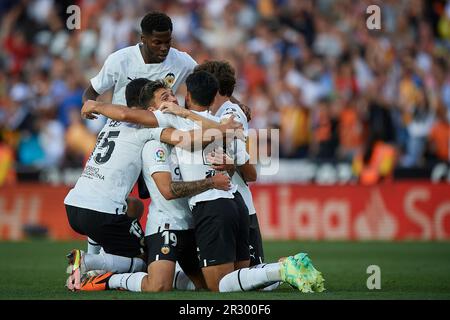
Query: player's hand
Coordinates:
[173,108]
[88,110]
[221,182]
[219,160]
[232,128]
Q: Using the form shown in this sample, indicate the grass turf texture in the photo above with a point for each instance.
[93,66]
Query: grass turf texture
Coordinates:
[409,270]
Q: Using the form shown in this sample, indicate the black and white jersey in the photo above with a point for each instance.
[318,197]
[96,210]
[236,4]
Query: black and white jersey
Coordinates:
[163,214]
[194,165]
[226,110]
[112,169]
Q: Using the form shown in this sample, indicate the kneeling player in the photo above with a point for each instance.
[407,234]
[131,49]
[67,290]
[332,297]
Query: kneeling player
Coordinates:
[169,231]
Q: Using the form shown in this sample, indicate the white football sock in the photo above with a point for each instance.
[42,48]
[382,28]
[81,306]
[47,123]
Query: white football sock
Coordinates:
[113,263]
[128,281]
[93,247]
[250,278]
[273,285]
[182,282]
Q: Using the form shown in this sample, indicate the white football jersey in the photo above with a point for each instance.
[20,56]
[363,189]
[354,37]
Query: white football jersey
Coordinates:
[194,165]
[226,110]
[112,169]
[163,214]
[127,64]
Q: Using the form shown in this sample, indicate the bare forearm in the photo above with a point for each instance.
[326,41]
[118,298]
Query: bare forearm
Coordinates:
[90,94]
[182,189]
[122,113]
[248,172]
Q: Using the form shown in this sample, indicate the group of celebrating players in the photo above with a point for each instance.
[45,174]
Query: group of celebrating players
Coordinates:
[202,230]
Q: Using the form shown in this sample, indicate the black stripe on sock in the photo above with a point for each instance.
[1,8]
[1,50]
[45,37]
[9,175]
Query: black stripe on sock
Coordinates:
[239,279]
[176,278]
[93,243]
[131,265]
[126,282]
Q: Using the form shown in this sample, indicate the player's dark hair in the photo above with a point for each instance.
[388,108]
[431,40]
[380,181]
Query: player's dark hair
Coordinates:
[132,91]
[203,87]
[156,21]
[224,73]
[147,93]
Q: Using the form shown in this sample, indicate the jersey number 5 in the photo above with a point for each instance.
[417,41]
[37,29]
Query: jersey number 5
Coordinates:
[109,144]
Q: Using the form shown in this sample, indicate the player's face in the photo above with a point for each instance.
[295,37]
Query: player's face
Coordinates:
[163,95]
[158,45]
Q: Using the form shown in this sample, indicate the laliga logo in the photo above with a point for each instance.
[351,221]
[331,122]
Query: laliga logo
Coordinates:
[375,222]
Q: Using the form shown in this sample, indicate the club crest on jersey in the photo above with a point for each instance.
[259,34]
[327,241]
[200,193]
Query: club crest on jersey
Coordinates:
[169,79]
[165,250]
[160,155]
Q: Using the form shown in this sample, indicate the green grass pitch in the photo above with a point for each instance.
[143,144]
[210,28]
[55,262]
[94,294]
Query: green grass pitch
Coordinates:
[409,270]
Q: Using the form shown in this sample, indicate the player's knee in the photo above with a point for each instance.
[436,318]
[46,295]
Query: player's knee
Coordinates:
[135,208]
[159,286]
[155,285]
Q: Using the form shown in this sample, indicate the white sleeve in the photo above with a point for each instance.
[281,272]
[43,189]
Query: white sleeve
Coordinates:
[239,116]
[189,66]
[107,77]
[241,153]
[146,134]
[155,158]
[166,120]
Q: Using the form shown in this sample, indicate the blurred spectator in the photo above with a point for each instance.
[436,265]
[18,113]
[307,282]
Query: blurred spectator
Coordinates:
[377,161]
[310,68]
[7,171]
[324,128]
[439,137]
[350,131]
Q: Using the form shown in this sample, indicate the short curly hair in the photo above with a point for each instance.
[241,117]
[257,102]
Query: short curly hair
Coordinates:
[224,73]
[156,21]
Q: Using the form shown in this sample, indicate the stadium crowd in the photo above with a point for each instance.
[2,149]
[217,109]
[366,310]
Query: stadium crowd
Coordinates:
[313,69]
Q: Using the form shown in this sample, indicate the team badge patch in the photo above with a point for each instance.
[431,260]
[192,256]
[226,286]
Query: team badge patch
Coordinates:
[169,79]
[160,155]
[165,250]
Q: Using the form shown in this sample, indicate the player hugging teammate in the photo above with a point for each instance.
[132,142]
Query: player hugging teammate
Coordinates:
[195,169]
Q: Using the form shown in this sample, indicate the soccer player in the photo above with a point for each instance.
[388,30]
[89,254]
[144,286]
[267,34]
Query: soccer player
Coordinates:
[223,107]
[169,231]
[220,217]
[152,58]
[98,205]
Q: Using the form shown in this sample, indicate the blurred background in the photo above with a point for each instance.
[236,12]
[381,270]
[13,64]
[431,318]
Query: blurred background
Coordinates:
[363,114]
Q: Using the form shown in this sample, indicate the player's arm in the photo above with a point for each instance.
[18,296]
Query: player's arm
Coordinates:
[119,113]
[244,107]
[222,162]
[191,140]
[180,189]
[104,80]
[90,94]
[147,118]
[248,172]
[205,123]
